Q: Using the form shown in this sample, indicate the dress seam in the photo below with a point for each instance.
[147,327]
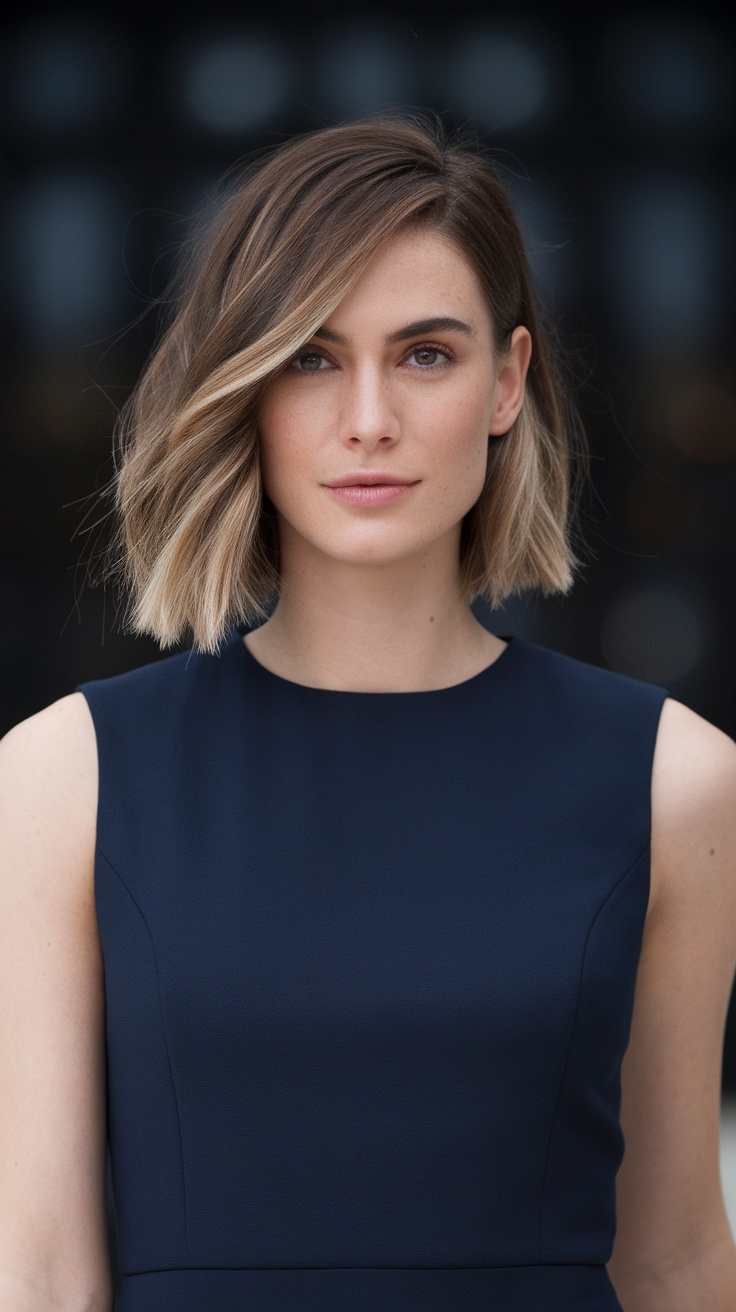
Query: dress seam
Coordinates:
[571,1039]
[510,1266]
[116,872]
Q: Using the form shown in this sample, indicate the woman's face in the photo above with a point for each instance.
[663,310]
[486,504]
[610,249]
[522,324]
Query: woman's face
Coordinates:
[401,384]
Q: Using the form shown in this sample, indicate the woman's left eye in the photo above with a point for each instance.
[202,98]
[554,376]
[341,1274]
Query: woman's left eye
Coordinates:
[429,357]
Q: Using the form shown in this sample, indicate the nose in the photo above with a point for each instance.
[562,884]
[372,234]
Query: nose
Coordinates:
[369,418]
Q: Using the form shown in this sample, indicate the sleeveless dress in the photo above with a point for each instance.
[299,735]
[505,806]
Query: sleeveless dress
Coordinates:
[369,969]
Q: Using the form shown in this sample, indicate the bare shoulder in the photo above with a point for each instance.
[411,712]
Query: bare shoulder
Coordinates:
[690,750]
[66,723]
[693,805]
[48,786]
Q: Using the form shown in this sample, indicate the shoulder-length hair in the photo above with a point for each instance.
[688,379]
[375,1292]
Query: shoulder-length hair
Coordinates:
[196,544]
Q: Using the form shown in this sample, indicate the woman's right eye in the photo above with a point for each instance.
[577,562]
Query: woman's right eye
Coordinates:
[309,362]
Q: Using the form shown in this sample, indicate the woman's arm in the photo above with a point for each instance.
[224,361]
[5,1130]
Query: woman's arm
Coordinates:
[674,1251]
[53,1235]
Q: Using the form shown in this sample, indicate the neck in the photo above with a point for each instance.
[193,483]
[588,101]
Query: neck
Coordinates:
[399,627]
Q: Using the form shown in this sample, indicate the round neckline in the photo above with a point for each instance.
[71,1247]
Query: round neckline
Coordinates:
[511,640]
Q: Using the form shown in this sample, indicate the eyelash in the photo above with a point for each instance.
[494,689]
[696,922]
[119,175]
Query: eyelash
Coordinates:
[445,351]
[432,346]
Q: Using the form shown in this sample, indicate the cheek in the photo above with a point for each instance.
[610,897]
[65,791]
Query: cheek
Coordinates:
[285,446]
[456,434]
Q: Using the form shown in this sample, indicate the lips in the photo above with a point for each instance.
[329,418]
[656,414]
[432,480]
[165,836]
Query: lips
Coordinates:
[371,480]
[370,494]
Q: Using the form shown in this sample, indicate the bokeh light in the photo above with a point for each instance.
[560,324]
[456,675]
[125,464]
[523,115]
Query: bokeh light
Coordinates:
[67,235]
[665,253]
[501,80]
[63,78]
[653,633]
[664,74]
[687,408]
[238,83]
[364,69]
[659,510]
[547,237]
[700,419]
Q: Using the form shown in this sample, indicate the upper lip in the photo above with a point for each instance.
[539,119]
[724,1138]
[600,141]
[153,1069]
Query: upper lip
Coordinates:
[368,480]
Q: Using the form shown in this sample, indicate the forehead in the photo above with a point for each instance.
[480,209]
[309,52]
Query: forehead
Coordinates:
[419,274]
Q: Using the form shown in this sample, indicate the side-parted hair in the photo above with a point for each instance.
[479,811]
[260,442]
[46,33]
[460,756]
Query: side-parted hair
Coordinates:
[196,542]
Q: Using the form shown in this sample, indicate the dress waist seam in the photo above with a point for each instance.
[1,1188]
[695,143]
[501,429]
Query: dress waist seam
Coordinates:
[512,1266]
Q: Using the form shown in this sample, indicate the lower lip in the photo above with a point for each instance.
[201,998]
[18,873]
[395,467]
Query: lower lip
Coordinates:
[378,494]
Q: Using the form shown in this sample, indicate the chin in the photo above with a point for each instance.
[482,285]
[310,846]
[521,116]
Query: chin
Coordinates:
[369,553]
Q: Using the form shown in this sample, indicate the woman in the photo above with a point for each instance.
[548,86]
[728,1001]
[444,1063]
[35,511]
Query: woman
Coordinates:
[342,927]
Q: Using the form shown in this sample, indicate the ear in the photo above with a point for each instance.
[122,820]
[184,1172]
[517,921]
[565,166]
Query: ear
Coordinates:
[508,392]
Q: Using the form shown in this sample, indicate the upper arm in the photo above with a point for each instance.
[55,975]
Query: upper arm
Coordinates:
[52,1069]
[670,1205]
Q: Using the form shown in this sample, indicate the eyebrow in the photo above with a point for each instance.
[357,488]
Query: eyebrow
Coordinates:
[439,324]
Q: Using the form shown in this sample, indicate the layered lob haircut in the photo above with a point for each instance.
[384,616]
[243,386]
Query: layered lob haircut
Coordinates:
[195,545]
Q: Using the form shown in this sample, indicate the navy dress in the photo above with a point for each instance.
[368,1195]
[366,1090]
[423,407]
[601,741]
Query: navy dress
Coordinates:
[369,967]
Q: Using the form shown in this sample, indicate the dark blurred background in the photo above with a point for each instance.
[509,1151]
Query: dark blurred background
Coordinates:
[615,132]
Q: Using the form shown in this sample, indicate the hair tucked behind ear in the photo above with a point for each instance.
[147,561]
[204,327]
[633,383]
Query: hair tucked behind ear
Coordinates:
[195,546]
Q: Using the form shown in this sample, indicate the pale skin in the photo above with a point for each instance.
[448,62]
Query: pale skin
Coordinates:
[370,602]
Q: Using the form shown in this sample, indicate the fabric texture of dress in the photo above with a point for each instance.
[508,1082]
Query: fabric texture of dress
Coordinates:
[370,963]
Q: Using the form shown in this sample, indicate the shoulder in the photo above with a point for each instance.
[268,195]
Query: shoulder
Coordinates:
[583,677]
[142,700]
[57,740]
[693,808]
[151,676]
[48,797]
[53,753]
[694,761]
[591,703]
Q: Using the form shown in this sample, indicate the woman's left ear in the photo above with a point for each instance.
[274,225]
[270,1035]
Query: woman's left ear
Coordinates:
[510,382]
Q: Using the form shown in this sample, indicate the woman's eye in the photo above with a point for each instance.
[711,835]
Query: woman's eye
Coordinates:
[428,356]
[308,362]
